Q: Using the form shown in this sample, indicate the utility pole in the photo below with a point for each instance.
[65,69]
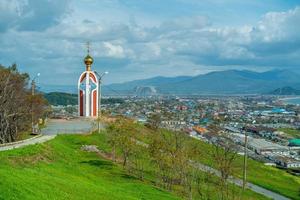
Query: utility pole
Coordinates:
[32,95]
[245,161]
[99,103]
[99,98]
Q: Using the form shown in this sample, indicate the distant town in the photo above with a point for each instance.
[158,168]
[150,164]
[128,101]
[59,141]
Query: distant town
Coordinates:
[271,125]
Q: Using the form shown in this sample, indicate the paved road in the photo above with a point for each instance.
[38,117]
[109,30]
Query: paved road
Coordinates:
[73,126]
[31,141]
[54,127]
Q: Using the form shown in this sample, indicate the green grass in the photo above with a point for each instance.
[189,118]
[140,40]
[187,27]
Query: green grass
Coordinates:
[60,170]
[291,132]
[268,177]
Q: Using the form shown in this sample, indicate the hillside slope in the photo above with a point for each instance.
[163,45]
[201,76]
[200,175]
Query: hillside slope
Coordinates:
[60,170]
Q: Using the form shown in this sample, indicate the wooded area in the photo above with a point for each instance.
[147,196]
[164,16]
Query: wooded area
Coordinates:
[65,99]
[17,106]
[171,156]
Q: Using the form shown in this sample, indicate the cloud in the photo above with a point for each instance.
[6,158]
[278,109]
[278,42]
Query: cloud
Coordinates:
[49,37]
[113,50]
[185,23]
[9,12]
[32,15]
[276,34]
[274,41]
[278,26]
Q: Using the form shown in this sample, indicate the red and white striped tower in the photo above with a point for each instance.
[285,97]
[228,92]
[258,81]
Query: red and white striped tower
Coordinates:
[88,88]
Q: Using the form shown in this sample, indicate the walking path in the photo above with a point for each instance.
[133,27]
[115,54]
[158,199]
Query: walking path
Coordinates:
[233,180]
[72,126]
[30,141]
[239,182]
[54,127]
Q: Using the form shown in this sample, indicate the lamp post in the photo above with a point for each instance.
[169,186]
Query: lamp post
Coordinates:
[100,76]
[245,158]
[33,84]
[245,161]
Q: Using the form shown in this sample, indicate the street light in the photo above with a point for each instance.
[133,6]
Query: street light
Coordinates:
[33,83]
[100,76]
[32,94]
[245,158]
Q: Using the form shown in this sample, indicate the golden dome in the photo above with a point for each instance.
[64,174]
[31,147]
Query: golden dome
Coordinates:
[88,60]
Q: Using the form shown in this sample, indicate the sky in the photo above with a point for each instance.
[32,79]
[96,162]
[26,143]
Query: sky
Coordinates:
[136,39]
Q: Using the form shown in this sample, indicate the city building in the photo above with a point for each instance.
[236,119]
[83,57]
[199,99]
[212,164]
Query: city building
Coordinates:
[285,162]
[294,143]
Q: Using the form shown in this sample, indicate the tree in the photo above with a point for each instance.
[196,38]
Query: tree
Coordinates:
[137,160]
[154,121]
[121,134]
[203,183]
[170,153]
[112,134]
[224,154]
[17,104]
[159,151]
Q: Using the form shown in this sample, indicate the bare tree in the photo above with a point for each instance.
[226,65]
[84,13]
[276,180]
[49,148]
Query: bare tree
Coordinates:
[169,152]
[15,103]
[224,154]
[137,159]
[121,134]
[154,121]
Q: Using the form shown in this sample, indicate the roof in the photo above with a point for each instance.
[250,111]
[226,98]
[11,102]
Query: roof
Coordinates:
[264,144]
[278,110]
[200,129]
[259,128]
[294,142]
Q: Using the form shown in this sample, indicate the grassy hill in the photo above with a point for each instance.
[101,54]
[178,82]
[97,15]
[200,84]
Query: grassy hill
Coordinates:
[271,178]
[268,177]
[60,170]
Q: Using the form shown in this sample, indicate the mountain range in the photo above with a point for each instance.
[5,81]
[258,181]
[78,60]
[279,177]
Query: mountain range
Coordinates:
[227,82]
[285,91]
[218,82]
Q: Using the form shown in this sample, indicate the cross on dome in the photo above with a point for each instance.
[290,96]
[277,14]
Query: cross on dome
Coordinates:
[88,60]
